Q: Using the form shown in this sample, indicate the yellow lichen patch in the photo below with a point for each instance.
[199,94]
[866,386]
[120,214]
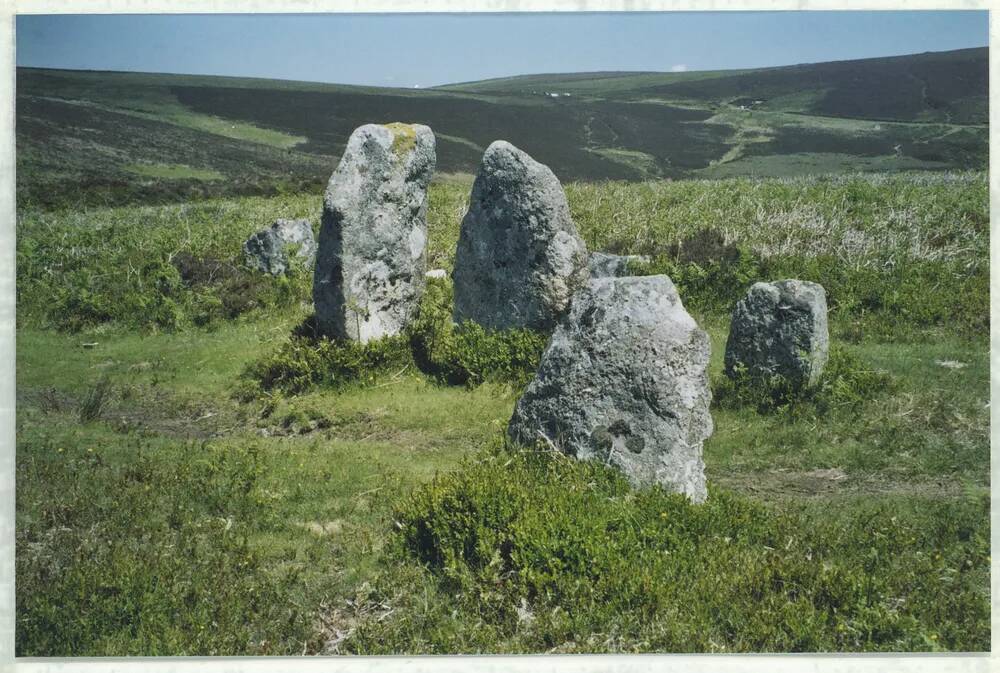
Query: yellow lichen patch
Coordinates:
[404,138]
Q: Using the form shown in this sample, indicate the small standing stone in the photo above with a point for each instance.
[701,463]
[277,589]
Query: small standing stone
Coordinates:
[624,380]
[372,245]
[605,265]
[267,250]
[519,258]
[780,329]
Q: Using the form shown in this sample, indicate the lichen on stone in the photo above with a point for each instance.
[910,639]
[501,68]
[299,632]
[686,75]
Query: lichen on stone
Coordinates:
[404,138]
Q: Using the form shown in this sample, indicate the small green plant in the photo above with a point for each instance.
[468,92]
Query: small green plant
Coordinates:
[94,400]
[304,362]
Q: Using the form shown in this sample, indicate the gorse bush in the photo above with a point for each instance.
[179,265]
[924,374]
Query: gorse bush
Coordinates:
[845,384]
[467,354]
[530,550]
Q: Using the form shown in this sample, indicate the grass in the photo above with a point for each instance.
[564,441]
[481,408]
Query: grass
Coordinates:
[159,511]
[174,172]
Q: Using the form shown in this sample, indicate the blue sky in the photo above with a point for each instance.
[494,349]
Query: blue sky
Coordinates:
[430,49]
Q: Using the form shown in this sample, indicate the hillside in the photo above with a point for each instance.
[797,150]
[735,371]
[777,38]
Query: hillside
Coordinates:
[117,137]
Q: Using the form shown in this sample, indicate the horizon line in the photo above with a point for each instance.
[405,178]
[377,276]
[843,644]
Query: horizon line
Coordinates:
[497,78]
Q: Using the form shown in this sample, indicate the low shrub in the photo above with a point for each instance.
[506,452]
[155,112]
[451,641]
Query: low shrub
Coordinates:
[529,551]
[304,362]
[466,354]
[469,354]
[710,275]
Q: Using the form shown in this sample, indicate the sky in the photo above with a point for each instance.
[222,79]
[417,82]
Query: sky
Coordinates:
[407,50]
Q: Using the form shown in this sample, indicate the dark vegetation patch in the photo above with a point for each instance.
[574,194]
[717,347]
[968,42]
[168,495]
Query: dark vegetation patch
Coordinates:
[72,155]
[673,136]
[947,87]
[532,552]
[962,147]
[226,289]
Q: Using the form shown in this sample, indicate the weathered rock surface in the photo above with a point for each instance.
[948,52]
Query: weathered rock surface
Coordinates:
[268,250]
[780,329]
[624,380]
[371,262]
[605,265]
[519,258]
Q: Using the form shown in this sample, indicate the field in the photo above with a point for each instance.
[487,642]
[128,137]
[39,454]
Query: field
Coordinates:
[196,475]
[81,135]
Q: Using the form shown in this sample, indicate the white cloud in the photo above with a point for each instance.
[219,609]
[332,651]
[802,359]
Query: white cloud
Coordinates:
[680,67]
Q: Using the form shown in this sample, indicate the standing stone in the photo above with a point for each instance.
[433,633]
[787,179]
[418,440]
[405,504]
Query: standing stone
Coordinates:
[780,329]
[371,262]
[624,380]
[267,250]
[605,265]
[519,258]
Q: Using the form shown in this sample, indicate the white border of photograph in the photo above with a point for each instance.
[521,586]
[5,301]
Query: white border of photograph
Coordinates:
[860,663]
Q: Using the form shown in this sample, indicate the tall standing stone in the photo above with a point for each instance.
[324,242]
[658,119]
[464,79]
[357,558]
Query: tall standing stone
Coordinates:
[371,261]
[519,258]
[624,380]
[779,329]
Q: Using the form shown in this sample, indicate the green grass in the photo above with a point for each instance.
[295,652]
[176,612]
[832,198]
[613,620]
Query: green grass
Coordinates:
[174,172]
[161,511]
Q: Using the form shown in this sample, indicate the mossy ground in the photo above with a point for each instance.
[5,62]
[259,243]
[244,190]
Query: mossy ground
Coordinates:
[159,514]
